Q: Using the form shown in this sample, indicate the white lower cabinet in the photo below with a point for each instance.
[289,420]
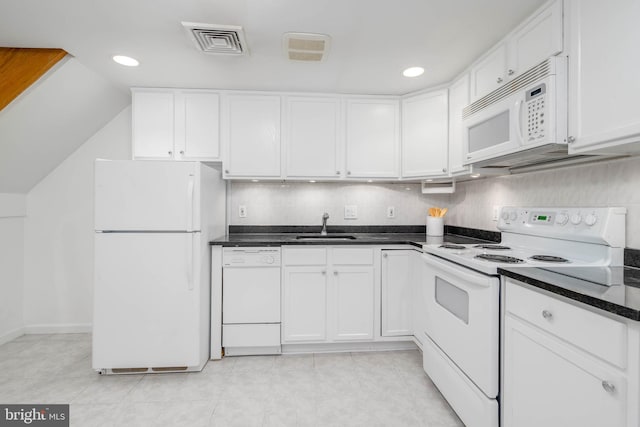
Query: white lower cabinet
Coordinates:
[328,295]
[549,377]
[304,304]
[397,292]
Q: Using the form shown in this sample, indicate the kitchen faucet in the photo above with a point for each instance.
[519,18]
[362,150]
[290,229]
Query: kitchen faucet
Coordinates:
[325,217]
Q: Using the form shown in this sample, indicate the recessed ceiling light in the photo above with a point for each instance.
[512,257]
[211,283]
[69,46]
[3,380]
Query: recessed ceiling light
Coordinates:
[312,181]
[126,61]
[413,72]
[475,175]
[408,188]
[369,180]
[255,180]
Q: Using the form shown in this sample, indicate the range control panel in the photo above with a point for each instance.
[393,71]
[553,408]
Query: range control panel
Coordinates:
[596,225]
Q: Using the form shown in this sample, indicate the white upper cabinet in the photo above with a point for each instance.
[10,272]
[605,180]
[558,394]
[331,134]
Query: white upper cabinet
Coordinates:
[424,135]
[312,137]
[489,73]
[197,126]
[536,39]
[175,124]
[604,112]
[458,99]
[372,138]
[152,124]
[251,135]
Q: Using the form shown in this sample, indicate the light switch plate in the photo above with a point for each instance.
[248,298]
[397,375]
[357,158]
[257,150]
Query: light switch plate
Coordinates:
[242,211]
[496,213]
[350,211]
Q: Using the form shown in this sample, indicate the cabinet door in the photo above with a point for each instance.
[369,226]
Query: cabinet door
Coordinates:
[353,303]
[397,293]
[197,126]
[153,124]
[548,383]
[458,99]
[489,73]
[304,304]
[537,40]
[424,135]
[251,135]
[312,137]
[372,136]
[604,59]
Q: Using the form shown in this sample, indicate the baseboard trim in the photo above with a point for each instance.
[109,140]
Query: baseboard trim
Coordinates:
[65,328]
[12,335]
[348,347]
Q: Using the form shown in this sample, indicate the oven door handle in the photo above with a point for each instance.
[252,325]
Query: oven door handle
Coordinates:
[464,274]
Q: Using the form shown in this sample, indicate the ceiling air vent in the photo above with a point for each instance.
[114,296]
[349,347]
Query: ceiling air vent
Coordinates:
[217,39]
[306,46]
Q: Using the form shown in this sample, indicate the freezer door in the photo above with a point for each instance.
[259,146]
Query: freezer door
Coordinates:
[147,300]
[147,195]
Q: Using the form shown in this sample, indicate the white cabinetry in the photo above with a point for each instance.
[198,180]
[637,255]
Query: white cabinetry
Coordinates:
[397,292]
[424,134]
[604,112]
[419,306]
[175,124]
[372,138]
[536,39]
[328,294]
[564,365]
[458,99]
[312,137]
[251,135]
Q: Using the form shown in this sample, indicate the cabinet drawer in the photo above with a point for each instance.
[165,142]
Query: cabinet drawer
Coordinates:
[599,335]
[352,256]
[306,256]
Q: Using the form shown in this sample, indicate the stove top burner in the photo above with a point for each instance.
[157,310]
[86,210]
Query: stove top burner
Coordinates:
[548,258]
[496,247]
[500,258]
[451,246]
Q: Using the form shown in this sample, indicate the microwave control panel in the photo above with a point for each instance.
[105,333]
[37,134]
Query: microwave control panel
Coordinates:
[536,112]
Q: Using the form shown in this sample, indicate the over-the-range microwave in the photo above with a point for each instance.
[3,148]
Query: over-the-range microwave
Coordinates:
[522,122]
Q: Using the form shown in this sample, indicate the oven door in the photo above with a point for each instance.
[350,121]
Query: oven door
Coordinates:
[462,309]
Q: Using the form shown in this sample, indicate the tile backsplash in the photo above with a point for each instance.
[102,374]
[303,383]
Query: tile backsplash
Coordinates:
[608,183]
[304,203]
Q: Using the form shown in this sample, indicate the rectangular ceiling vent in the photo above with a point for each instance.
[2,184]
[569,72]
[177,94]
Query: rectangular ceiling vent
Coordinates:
[306,46]
[217,39]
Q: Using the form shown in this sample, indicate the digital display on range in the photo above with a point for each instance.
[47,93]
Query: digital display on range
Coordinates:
[542,218]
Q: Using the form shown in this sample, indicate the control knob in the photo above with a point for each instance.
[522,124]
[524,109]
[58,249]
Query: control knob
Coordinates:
[513,215]
[590,219]
[505,215]
[562,219]
[576,219]
[268,259]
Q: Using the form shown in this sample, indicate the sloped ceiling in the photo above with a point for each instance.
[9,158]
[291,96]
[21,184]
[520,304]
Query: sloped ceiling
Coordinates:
[56,115]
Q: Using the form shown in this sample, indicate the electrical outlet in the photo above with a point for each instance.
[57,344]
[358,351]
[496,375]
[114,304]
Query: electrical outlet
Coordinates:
[391,212]
[242,211]
[350,212]
[496,213]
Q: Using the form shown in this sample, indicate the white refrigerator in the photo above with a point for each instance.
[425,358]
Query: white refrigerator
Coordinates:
[153,224]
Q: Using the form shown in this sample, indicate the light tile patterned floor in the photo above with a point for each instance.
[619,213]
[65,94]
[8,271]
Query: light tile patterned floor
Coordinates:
[340,389]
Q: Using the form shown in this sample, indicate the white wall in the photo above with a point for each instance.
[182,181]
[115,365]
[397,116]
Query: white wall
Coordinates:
[12,211]
[611,183]
[58,273]
[304,203]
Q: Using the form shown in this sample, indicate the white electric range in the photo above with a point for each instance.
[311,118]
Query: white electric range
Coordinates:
[461,288]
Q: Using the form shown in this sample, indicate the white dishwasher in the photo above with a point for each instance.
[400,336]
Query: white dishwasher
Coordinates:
[251,301]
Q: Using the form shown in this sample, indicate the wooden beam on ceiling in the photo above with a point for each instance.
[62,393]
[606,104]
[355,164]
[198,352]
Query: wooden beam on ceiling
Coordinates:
[21,67]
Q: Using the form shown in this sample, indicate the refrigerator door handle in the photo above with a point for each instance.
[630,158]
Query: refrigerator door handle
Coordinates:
[190,188]
[190,262]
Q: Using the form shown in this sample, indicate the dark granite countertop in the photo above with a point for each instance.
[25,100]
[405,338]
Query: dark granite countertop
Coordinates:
[363,235]
[612,289]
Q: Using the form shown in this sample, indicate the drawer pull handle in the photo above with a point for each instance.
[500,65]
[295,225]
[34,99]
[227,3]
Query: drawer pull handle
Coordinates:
[324,271]
[608,387]
[547,314]
[335,273]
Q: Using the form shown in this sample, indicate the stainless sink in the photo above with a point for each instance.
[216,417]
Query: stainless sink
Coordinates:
[316,237]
